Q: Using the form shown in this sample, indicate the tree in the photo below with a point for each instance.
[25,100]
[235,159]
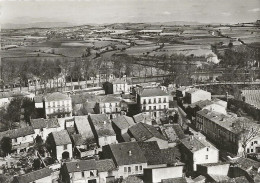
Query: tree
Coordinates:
[36,164]
[248,131]
[6,145]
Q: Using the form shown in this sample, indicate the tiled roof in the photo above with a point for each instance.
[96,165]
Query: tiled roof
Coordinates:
[15,133]
[105,165]
[230,122]
[83,128]
[152,153]
[102,125]
[141,117]
[219,178]
[247,163]
[193,144]
[81,165]
[38,123]
[12,94]
[175,180]
[127,153]
[202,103]
[61,137]
[44,123]
[126,137]
[123,122]
[33,176]
[193,90]
[152,92]
[57,96]
[143,132]
[178,130]
[170,154]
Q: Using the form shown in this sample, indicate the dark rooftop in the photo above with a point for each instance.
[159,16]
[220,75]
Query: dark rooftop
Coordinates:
[61,137]
[33,176]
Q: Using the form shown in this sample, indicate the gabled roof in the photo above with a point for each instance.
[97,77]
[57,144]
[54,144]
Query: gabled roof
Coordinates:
[34,175]
[247,163]
[152,153]
[175,180]
[127,153]
[15,133]
[44,123]
[105,165]
[123,122]
[152,92]
[193,144]
[84,129]
[141,117]
[143,132]
[102,125]
[38,99]
[81,165]
[61,137]
[57,96]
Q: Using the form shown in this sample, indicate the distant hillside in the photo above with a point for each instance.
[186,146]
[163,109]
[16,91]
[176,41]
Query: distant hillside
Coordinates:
[36,25]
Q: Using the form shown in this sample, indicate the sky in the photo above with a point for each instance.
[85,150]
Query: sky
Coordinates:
[121,11]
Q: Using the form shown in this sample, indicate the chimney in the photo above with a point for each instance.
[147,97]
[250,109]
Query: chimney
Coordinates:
[77,165]
[130,153]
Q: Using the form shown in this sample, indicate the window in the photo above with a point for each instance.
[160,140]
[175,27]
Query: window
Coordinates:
[164,106]
[154,107]
[255,142]
[129,169]
[252,150]
[125,169]
[149,101]
[136,168]
[144,101]
[140,167]
[164,100]
[160,100]
[207,156]
[91,174]
[154,100]
[65,147]
[150,107]
[252,143]
[82,174]
[144,108]
[207,149]
[15,140]
[248,151]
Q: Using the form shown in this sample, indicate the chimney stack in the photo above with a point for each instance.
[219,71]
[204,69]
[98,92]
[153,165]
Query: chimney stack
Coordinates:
[130,153]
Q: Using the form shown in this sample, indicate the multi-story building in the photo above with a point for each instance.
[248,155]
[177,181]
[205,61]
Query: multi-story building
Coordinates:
[22,138]
[116,86]
[197,151]
[153,102]
[228,131]
[109,105]
[128,158]
[57,105]
[54,105]
[194,95]
[88,171]
[63,145]
[43,127]
[102,129]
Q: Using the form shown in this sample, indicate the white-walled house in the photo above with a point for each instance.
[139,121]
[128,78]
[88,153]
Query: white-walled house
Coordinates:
[153,102]
[22,138]
[194,95]
[102,129]
[109,105]
[128,158]
[197,151]
[63,145]
[43,127]
[88,171]
[55,104]
[156,175]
